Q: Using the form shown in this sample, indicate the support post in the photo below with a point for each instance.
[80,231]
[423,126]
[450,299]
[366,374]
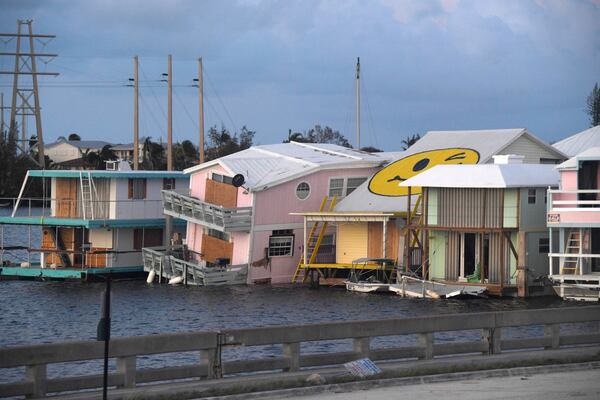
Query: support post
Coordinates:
[127,367]
[553,331]
[305,249]
[362,346]
[208,357]
[136,119]
[36,101]
[426,342]
[358,103]
[493,338]
[170,116]
[291,351]
[522,289]
[36,374]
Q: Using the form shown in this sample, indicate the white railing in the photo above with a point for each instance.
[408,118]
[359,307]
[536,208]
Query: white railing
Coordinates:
[568,200]
[212,216]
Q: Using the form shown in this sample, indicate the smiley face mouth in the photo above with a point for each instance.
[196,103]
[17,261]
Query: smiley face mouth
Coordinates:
[396,178]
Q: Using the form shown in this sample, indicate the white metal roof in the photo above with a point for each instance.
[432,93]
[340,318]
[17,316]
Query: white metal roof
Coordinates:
[587,155]
[362,200]
[487,176]
[576,144]
[269,165]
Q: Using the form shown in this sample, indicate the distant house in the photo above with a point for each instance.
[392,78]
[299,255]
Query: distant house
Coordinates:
[125,151]
[66,150]
[484,224]
[580,142]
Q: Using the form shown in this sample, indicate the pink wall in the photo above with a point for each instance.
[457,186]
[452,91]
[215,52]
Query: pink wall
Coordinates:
[241,245]
[198,186]
[274,205]
[568,180]
[280,269]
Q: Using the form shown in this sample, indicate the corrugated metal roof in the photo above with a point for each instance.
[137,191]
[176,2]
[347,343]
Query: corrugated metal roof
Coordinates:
[487,176]
[268,165]
[576,144]
[82,144]
[362,200]
[107,174]
[587,155]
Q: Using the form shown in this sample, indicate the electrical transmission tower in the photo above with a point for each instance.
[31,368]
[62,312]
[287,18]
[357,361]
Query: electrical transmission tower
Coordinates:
[25,93]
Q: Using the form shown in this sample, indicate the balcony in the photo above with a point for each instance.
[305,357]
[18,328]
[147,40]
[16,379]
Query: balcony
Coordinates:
[172,267]
[212,216]
[573,208]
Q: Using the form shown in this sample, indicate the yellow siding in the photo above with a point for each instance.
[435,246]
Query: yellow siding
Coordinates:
[352,239]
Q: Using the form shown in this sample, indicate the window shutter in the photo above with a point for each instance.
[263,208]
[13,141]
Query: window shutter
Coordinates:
[130,191]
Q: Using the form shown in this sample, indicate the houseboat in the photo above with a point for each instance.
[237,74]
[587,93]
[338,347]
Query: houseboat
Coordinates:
[485,224]
[92,223]
[372,221]
[573,219]
[238,207]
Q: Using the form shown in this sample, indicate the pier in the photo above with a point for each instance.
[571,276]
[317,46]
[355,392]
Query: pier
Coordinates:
[216,373]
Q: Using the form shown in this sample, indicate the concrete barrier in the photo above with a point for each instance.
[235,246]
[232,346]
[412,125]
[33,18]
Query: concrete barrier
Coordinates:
[210,345]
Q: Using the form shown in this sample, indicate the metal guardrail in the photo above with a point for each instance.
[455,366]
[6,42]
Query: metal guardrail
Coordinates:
[569,200]
[125,350]
[210,215]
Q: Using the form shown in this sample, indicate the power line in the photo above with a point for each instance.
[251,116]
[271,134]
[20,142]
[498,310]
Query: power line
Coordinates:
[235,126]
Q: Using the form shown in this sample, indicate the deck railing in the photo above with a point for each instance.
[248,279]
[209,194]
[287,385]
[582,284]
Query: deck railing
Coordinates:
[212,216]
[74,209]
[569,200]
[211,345]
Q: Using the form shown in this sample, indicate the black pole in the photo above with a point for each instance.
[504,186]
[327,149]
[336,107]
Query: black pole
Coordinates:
[103,333]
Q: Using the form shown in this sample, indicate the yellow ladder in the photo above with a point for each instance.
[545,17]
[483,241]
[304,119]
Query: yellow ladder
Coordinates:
[420,222]
[572,264]
[300,270]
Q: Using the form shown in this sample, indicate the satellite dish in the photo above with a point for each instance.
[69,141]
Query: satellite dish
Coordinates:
[238,180]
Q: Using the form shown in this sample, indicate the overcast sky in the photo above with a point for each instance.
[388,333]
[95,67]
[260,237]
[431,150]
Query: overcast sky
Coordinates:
[279,65]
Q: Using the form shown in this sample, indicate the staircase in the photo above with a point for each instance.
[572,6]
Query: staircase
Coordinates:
[313,242]
[571,265]
[87,186]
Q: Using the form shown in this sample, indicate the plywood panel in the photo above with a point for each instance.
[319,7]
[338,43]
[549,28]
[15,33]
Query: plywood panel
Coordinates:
[375,240]
[66,198]
[352,241]
[96,258]
[213,248]
[221,194]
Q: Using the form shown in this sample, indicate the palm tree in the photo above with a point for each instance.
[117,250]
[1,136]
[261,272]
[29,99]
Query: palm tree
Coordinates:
[410,140]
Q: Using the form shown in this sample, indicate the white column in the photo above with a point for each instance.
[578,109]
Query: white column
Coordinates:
[305,243]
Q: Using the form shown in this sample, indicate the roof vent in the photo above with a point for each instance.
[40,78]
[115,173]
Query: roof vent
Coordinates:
[508,159]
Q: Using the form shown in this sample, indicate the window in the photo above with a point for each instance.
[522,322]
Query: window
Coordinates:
[222,178]
[143,237]
[218,234]
[302,190]
[353,183]
[168,183]
[281,243]
[341,187]
[336,187]
[137,188]
[544,245]
[531,196]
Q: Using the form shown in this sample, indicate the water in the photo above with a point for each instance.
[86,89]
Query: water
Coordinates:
[19,235]
[43,312]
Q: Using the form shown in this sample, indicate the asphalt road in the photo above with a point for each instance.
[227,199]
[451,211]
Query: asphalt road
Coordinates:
[579,385]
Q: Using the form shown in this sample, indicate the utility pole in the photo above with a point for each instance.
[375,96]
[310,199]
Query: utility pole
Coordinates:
[201,109]
[136,120]
[2,113]
[358,103]
[25,64]
[170,116]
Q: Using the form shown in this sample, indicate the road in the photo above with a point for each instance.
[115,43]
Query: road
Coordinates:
[580,385]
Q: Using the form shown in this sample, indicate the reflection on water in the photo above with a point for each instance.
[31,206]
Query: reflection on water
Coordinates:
[21,235]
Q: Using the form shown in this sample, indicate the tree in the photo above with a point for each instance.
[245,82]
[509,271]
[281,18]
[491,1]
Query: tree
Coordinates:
[410,140]
[371,149]
[185,155]
[75,137]
[593,106]
[97,159]
[153,155]
[221,142]
[319,134]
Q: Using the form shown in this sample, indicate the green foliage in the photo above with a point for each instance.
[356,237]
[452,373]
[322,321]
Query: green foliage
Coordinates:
[14,166]
[371,149]
[319,134]
[593,106]
[97,159]
[410,140]
[75,137]
[221,142]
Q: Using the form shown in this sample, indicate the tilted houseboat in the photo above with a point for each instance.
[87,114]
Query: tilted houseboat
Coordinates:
[573,218]
[92,223]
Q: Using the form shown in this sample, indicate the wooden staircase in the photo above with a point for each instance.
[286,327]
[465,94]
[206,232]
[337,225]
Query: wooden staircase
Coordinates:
[313,242]
[572,265]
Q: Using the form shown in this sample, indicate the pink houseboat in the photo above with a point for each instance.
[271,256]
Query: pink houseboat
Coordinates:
[246,221]
[573,217]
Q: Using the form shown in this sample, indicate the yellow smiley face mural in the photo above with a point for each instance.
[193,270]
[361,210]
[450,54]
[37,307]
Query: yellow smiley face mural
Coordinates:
[386,181]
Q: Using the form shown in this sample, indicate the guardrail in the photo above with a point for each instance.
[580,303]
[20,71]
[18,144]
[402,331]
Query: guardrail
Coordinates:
[125,350]
[212,216]
[572,200]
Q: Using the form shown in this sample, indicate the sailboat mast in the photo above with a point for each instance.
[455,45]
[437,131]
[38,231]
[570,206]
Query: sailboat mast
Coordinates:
[358,103]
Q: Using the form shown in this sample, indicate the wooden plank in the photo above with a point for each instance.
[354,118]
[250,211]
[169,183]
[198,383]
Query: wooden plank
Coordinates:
[213,248]
[220,193]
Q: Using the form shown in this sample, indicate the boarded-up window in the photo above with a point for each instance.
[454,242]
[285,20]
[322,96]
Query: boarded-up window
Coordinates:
[137,189]
[168,183]
[151,237]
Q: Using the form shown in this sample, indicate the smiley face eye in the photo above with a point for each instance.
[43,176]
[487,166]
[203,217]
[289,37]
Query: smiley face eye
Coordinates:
[457,156]
[421,164]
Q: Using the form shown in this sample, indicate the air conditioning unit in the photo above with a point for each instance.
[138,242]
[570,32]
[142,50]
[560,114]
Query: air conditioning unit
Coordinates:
[112,165]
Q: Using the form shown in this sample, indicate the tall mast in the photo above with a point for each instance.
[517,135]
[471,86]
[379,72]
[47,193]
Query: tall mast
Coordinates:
[358,103]
[170,116]
[201,110]
[136,119]
[1,113]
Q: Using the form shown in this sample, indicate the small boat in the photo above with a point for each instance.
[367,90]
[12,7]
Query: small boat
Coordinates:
[409,286]
[369,275]
[367,287]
